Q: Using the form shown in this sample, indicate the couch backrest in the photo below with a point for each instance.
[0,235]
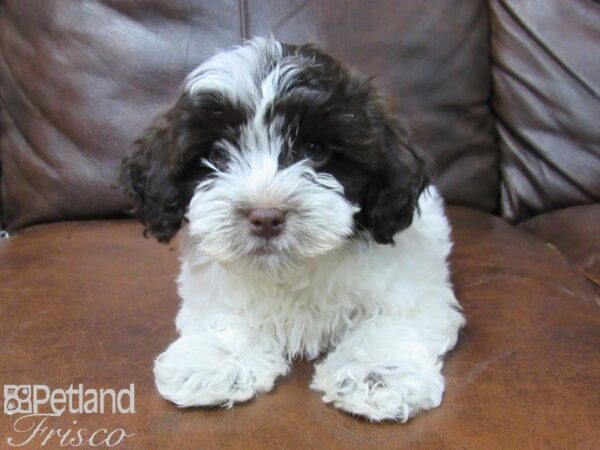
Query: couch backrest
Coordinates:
[80,80]
[546,98]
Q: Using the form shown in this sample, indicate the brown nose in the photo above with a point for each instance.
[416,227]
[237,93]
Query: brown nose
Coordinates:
[266,222]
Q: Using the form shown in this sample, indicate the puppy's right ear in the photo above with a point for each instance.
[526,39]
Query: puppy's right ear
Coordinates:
[151,176]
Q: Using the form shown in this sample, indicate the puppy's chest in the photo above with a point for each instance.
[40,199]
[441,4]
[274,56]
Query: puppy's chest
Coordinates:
[303,321]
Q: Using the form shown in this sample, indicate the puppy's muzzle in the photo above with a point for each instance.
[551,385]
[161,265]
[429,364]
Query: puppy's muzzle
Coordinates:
[266,222]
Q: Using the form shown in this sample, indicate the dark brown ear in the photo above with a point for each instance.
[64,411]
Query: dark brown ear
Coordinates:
[393,194]
[155,175]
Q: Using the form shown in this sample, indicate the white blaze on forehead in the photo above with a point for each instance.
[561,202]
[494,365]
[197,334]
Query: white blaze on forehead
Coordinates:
[275,83]
[256,75]
[253,74]
[238,72]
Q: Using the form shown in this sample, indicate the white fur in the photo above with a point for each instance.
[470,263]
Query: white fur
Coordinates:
[235,72]
[382,315]
[386,314]
[318,216]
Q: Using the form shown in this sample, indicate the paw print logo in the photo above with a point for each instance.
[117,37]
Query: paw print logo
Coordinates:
[17,399]
[11,405]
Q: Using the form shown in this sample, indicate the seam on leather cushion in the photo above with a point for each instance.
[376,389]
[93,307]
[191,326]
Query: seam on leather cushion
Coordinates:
[1,134]
[593,278]
[573,232]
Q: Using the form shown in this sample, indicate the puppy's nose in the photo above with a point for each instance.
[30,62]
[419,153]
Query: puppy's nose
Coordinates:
[266,222]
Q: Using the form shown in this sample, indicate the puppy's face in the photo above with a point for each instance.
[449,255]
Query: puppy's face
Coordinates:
[274,154]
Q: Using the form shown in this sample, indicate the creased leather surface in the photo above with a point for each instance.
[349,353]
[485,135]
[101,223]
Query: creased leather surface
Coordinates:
[575,232]
[94,302]
[546,78]
[431,57]
[79,81]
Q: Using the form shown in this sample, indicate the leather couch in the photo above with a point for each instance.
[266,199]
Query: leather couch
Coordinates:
[503,94]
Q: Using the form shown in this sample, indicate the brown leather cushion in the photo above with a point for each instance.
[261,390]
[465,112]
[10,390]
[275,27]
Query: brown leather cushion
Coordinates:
[546,66]
[575,232]
[80,80]
[94,303]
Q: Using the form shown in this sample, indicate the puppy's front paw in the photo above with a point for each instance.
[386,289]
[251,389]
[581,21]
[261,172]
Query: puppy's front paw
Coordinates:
[206,370]
[385,392]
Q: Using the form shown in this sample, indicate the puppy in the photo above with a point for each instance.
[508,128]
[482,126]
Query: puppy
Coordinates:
[309,231]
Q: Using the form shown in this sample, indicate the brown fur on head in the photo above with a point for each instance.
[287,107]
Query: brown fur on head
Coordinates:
[321,112]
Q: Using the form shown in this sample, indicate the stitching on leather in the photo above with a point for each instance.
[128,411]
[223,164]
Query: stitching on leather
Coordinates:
[2,225]
[497,209]
[243,6]
[188,41]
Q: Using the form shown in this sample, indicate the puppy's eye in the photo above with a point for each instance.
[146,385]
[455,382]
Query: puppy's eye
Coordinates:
[318,153]
[217,156]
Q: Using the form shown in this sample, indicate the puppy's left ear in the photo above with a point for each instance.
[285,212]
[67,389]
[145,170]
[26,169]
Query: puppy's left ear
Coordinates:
[393,194]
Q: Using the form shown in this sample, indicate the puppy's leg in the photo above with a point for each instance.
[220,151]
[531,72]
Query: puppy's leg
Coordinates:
[218,367]
[389,368]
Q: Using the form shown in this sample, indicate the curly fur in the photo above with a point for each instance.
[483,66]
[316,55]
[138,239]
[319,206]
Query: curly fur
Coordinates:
[359,274]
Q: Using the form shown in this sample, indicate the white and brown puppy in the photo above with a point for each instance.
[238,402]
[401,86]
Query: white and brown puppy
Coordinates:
[309,231]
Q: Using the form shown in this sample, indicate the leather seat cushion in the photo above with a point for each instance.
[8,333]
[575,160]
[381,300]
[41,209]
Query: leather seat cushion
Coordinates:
[575,232]
[94,303]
